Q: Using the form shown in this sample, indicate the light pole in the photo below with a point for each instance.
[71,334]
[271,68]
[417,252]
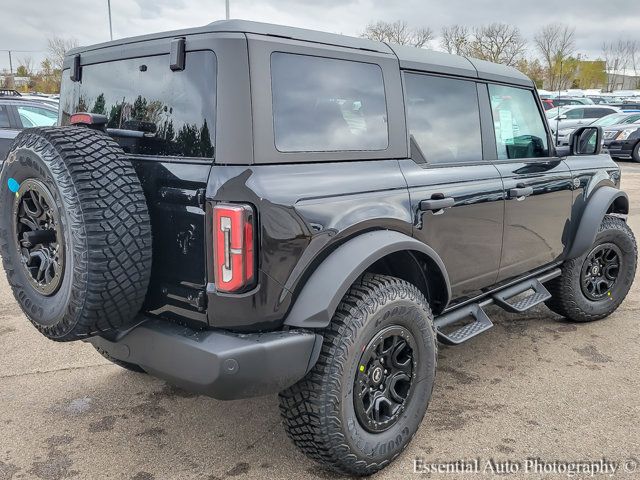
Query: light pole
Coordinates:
[226,4]
[110,27]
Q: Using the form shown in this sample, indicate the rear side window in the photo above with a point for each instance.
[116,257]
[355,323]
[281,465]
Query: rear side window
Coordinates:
[151,109]
[444,118]
[325,104]
[597,112]
[518,125]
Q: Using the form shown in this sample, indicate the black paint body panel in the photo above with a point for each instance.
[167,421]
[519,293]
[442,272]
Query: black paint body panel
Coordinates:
[309,204]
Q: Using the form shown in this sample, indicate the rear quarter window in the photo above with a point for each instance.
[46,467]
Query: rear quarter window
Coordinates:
[151,109]
[324,104]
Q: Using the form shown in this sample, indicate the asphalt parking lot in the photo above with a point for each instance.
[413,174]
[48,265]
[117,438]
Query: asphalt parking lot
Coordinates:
[532,387]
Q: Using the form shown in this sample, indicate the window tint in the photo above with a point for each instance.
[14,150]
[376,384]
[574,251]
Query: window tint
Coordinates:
[4,117]
[519,128]
[32,116]
[324,104]
[575,113]
[162,111]
[597,112]
[444,118]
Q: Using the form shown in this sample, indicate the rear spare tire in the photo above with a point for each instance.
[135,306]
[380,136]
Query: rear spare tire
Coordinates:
[75,235]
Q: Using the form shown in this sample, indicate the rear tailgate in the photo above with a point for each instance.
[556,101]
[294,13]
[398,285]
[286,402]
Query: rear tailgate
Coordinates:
[165,121]
[175,197]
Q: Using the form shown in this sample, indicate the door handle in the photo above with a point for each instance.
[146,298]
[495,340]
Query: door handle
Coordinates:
[520,192]
[435,204]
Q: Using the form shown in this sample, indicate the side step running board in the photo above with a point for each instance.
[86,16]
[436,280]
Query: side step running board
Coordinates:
[480,323]
[539,295]
[477,319]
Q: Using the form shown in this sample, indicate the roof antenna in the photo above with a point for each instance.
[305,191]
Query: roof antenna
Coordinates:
[226,4]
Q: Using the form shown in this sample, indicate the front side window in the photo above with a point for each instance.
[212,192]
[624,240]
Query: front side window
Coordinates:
[575,114]
[31,116]
[518,125]
[325,104]
[444,118]
[151,110]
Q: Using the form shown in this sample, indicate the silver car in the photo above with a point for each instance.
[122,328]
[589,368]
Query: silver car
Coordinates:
[574,116]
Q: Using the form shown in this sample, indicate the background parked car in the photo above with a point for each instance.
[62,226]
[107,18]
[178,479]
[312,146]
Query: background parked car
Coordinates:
[563,101]
[577,116]
[17,113]
[610,120]
[623,141]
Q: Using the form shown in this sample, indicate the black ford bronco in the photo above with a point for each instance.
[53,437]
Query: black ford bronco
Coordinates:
[244,209]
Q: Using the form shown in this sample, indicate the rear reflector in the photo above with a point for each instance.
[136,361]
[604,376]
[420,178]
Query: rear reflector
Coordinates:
[233,247]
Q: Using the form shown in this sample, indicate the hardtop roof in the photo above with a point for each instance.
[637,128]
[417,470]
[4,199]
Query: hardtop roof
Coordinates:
[409,57]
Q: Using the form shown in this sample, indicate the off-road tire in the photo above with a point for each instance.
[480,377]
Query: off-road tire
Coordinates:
[132,367]
[318,411]
[568,298]
[104,222]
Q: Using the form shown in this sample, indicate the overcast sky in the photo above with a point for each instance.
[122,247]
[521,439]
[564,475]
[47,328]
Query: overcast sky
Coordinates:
[26,25]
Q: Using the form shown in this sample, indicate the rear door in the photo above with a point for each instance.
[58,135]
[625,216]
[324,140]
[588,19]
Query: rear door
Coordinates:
[449,168]
[538,187]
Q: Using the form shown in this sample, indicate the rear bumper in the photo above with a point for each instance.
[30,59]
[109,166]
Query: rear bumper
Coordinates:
[217,363]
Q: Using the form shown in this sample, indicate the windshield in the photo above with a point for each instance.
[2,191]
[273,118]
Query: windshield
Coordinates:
[615,119]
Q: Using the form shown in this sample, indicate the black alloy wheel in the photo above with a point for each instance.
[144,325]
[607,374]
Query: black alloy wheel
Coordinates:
[384,379]
[38,236]
[600,271]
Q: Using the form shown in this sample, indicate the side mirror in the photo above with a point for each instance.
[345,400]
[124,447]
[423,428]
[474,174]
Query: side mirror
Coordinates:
[586,141]
[562,117]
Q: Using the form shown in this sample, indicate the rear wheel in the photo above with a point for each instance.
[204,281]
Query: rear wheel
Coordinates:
[594,285]
[363,401]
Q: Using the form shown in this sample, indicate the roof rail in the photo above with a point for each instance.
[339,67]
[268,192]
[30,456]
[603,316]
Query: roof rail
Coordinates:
[4,92]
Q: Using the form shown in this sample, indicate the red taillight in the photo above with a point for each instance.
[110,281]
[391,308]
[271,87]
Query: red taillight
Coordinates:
[92,119]
[233,249]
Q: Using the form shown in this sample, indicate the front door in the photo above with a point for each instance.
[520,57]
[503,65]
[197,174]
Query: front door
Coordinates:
[449,170]
[538,187]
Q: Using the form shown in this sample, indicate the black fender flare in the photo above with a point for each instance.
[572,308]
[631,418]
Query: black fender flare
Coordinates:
[592,216]
[323,291]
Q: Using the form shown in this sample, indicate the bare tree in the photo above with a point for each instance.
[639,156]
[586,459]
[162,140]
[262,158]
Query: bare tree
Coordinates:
[556,44]
[620,56]
[398,32]
[58,47]
[456,39]
[498,43]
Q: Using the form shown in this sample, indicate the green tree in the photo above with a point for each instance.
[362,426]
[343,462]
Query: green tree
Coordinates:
[99,105]
[206,147]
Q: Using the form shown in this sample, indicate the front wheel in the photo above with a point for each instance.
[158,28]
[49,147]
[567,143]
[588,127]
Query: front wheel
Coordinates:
[635,154]
[363,401]
[594,285]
